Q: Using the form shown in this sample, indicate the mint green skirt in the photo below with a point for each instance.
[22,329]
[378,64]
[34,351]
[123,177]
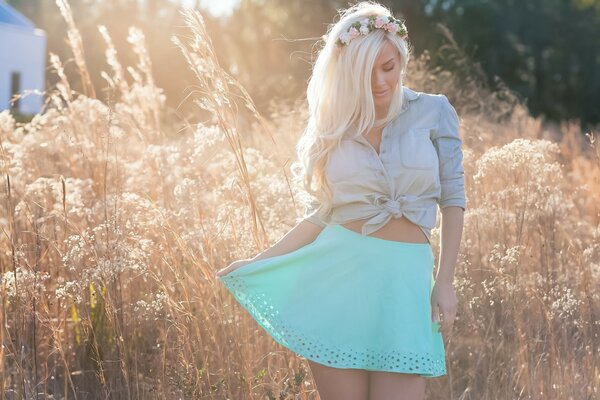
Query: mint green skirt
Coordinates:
[347,300]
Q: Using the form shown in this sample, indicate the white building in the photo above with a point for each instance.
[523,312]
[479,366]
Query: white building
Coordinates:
[22,60]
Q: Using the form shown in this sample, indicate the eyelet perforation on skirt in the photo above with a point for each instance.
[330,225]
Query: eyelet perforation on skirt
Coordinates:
[280,291]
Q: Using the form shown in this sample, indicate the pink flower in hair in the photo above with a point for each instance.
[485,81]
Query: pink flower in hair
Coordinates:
[367,25]
[345,38]
[380,21]
[391,27]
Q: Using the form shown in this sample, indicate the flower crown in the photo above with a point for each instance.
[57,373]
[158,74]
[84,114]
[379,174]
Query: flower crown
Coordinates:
[369,24]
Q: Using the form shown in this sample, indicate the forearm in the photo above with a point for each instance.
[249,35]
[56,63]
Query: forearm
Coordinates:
[300,235]
[451,233]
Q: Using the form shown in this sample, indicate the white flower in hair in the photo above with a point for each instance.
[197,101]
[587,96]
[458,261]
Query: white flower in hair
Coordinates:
[369,24]
[380,21]
[345,38]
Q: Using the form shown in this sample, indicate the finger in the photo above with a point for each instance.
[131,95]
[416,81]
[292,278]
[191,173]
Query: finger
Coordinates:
[440,326]
[444,325]
[447,323]
[435,311]
[443,318]
[450,315]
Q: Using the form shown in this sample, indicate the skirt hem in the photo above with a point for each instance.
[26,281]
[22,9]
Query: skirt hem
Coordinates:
[426,365]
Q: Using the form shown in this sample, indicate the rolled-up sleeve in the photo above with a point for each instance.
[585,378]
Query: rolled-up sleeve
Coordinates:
[448,145]
[312,215]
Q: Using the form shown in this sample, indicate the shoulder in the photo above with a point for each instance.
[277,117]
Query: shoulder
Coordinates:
[437,104]
[435,100]
[434,111]
[431,106]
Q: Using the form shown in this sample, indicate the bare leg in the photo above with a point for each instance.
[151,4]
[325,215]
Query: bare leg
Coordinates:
[396,386]
[340,383]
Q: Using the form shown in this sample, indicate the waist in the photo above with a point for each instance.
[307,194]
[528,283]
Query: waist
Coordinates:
[420,211]
[376,210]
[397,229]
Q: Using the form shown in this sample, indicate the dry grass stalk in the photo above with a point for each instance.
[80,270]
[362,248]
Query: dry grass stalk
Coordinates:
[113,231]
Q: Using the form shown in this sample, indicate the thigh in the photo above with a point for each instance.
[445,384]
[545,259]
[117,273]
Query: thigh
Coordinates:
[340,383]
[395,386]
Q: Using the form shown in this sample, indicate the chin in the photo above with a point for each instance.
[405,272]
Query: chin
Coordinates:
[384,99]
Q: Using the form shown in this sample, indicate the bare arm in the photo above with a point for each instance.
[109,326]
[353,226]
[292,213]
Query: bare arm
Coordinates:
[300,235]
[451,233]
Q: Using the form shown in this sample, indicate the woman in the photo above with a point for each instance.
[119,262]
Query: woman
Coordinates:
[351,287]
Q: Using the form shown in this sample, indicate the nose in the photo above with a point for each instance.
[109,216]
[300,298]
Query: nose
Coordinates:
[378,82]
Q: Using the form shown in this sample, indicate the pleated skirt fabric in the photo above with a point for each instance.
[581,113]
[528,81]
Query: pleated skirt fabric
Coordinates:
[348,300]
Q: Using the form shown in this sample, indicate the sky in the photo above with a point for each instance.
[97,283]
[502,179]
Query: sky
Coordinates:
[215,7]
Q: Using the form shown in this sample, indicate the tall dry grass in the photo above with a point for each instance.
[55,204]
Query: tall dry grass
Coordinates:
[114,220]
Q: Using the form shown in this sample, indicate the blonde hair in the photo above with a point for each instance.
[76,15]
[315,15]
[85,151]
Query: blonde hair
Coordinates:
[340,101]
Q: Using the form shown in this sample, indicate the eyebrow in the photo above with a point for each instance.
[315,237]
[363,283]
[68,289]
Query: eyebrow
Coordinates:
[388,61]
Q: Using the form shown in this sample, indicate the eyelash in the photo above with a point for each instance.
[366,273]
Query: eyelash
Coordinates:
[386,70]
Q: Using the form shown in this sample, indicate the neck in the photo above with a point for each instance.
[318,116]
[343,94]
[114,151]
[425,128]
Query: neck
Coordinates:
[380,114]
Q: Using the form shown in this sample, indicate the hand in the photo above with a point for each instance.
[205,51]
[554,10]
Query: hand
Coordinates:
[443,305]
[233,266]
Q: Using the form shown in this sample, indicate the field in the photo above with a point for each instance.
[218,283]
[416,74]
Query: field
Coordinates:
[115,215]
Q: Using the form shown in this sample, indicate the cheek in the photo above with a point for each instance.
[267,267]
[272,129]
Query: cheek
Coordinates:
[394,76]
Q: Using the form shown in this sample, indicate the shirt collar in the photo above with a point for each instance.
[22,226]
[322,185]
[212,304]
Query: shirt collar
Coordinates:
[409,96]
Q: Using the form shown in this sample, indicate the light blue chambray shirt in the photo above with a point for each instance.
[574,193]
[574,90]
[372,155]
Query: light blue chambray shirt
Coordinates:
[419,165]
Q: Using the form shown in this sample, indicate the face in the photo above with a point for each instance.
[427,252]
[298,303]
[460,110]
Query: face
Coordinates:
[385,75]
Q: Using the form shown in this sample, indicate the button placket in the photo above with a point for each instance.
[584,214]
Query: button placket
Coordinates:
[376,159]
[382,152]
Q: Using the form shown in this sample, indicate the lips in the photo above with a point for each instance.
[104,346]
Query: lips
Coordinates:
[380,93]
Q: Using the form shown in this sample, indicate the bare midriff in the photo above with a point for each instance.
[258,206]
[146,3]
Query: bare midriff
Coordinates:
[398,229]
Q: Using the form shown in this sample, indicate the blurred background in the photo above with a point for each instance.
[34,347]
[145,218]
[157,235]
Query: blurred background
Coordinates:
[546,51]
[153,148]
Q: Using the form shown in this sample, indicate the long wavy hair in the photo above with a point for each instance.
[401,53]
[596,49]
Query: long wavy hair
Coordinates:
[340,99]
